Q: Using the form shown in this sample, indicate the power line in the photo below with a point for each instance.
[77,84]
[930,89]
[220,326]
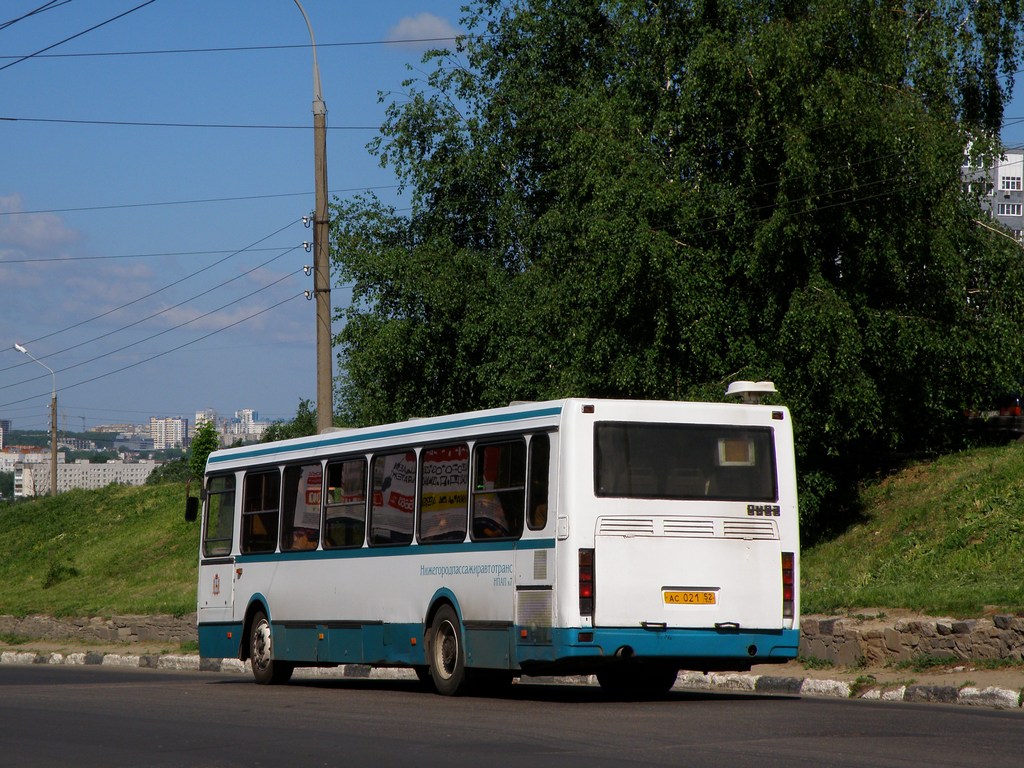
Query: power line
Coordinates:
[44,7]
[245,48]
[144,124]
[153,336]
[76,35]
[158,290]
[121,206]
[148,317]
[165,353]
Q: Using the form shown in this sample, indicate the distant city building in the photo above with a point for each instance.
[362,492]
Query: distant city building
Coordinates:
[33,478]
[133,443]
[171,432]
[247,426]
[37,461]
[1001,188]
[120,429]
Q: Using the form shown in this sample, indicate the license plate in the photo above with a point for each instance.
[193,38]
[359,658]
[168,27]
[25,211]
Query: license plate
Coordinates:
[690,597]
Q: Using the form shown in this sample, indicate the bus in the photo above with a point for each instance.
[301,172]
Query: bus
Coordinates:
[621,539]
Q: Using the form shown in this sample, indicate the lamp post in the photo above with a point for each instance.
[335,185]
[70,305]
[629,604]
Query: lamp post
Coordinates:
[321,260]
[53,420]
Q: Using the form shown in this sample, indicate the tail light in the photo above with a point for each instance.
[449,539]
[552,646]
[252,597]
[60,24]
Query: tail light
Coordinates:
[586,582]
[788,585]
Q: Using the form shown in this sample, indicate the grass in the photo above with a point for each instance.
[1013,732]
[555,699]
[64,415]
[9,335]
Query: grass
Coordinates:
[944,537]
[116,550]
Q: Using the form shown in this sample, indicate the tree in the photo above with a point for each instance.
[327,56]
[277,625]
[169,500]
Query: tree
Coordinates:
[204,442]
[302,425]
[173,471]
[639,199]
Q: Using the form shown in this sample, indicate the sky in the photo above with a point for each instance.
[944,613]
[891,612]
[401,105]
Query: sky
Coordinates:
[157,266]
[156,160]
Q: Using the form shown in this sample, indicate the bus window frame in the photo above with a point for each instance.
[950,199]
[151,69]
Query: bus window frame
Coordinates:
[404,451]
[533,504]
[286,528]
[327,506]
[219,495]
[421,475]
[513,438]
[272,536]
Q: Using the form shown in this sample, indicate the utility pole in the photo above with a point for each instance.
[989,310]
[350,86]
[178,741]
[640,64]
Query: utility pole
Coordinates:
[53,419]
[321,251]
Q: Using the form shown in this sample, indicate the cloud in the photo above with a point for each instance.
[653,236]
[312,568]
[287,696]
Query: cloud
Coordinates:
[31,234]
[422,26]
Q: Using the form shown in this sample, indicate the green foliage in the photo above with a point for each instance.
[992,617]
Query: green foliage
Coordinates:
[174,471]
[6,486]
[114,550]
[204,442]
[302,425]
[650,200]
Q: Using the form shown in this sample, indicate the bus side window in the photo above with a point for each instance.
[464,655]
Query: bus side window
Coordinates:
[394,498]
[345,504]
[499,490]
[444,489]
[537,504]
[260,503]
[300,518]
[220,515]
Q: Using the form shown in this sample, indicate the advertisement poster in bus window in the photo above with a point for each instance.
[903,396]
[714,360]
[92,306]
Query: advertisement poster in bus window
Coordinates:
[307,501]
[445,490]
[394,491]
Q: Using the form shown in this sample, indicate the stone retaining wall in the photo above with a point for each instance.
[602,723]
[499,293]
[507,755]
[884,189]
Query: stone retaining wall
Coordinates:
[852,641]
[117,629]
[843,641]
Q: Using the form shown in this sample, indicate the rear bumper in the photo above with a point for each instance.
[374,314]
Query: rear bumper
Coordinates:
[697,649]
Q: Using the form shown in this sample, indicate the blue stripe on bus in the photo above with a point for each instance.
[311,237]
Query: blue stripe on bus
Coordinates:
[402,431]
[404,550]
[317,642]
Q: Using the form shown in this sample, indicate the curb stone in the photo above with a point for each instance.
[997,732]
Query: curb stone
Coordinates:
[991,697]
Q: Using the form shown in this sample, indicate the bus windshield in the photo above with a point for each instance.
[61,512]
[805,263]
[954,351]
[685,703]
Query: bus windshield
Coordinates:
[684,461]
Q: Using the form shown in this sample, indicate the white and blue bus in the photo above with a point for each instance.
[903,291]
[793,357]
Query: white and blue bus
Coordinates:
[625,539]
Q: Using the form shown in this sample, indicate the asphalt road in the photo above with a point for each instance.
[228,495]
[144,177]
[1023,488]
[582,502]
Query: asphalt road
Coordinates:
[99,716]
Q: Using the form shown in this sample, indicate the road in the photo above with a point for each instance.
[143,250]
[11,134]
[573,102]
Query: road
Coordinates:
[100,716]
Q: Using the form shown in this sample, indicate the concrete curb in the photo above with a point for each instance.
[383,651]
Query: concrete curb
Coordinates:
[970,696]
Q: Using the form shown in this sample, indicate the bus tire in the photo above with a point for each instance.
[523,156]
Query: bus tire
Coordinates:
[265,669]
[447,654]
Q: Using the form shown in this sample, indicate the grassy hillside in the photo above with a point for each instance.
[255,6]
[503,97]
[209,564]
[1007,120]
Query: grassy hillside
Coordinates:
[92,553]
[942,537]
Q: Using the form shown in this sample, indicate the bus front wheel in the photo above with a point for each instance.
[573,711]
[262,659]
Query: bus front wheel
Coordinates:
[265,668]
[447,654]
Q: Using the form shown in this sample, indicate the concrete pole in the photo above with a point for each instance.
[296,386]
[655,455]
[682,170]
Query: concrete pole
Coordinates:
[321,251]
[53,418]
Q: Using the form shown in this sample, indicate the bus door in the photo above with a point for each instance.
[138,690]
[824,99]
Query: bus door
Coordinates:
[535,552]
[217,563]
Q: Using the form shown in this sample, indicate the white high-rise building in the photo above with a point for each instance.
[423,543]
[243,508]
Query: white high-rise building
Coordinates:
[170,432]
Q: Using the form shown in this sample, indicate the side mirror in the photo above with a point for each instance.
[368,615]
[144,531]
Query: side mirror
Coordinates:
[191,503]
[191,509]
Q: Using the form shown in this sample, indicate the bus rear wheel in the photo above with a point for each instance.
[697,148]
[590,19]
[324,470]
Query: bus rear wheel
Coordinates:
[447,655]
[265,669]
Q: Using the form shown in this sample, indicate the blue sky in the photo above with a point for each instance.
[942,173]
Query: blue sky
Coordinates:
[183,225]
[158,268]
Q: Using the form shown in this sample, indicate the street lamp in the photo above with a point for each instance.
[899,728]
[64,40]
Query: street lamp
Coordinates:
[321,260]
[53,419]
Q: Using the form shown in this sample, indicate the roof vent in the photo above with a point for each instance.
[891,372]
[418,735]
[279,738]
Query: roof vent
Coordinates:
[751,392]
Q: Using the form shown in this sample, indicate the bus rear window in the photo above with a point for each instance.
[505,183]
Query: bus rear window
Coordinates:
[684,461]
